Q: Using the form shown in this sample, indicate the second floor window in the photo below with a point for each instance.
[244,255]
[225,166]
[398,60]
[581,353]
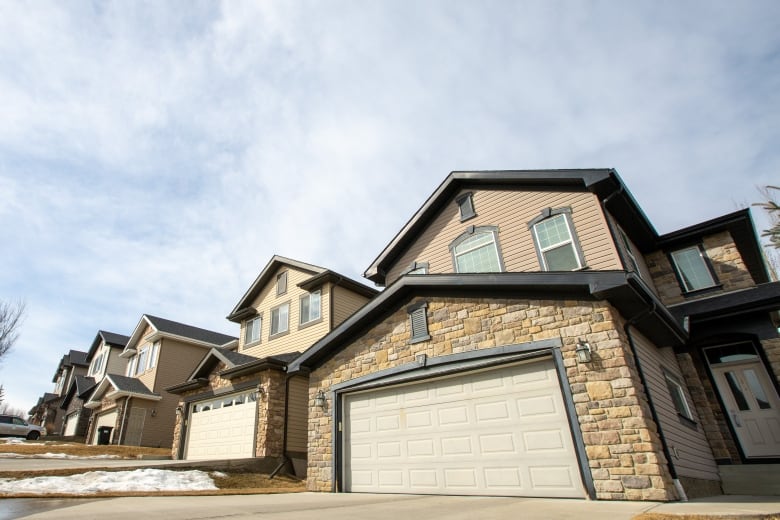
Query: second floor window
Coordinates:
[476,251]
[556,242]
[310,307]
[143,359]
[252,331]
[693,269]
[280,319]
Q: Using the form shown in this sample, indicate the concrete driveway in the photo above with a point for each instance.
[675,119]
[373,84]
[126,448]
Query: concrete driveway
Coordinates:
[346,506]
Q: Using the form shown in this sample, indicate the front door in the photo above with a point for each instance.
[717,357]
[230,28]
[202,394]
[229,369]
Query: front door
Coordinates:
[750,398]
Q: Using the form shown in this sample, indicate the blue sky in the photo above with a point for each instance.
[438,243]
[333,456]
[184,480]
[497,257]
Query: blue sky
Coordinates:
[154,155]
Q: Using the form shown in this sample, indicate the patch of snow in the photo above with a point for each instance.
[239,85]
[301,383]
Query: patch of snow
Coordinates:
[147,479]
[218,474]
[14,440]
[54,456]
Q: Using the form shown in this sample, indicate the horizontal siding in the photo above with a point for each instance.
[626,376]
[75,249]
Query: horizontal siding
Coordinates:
[511,211]
[298,414]
[693,456]
[345,304]
[298,338]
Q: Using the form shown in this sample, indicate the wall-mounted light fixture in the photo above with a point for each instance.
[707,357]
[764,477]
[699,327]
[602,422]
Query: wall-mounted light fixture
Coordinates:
[179,410]
[320,400]
[154,412]
[583,351]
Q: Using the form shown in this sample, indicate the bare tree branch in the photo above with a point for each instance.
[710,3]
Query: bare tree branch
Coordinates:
[11,317]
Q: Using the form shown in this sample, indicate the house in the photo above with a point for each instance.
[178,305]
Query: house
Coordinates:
[102,358]
[133,408]
[47,411]
[243,404]
[538,337]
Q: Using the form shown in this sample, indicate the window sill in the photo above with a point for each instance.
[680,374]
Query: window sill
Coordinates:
[309,323]
[690,423]
[699,292]
[419,339]
[470,216]
[251,344]
[278,335]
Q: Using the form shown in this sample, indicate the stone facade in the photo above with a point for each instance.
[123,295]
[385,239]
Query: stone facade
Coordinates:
[724,256]
[772,351]
[623,448]
[270,407]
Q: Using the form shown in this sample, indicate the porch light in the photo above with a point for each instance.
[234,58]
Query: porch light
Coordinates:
[320,400]
[179,410]
[583,352]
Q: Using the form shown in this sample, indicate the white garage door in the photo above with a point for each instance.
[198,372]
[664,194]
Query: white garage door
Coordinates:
[107,419]
[223,428]
[494,432]
[71,422]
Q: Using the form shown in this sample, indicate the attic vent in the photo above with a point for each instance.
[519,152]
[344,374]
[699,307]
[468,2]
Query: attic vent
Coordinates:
[418,321]
[465,204]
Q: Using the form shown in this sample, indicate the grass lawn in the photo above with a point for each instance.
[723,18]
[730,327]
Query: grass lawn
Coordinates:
[235,481]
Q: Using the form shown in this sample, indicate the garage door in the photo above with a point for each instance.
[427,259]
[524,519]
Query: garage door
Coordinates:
[71,422]
[494,432]
[223,428]
[107,419]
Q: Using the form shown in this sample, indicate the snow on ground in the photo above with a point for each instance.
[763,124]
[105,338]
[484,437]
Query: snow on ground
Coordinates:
[54,456]
[96,481]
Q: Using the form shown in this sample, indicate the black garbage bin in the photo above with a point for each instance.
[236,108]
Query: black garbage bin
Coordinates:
[104,434]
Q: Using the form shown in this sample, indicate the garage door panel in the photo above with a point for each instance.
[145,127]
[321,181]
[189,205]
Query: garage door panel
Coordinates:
[501,431]
[222,428]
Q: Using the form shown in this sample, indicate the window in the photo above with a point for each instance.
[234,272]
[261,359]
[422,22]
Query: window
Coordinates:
[693,269]
[280,319]
[418,322]
[678,396]
[143,358]
[556,243]
[252,331]
[466,206]
[97,364]
[154,354]
[310,307]
[131,366]
[281,283]
[476,251]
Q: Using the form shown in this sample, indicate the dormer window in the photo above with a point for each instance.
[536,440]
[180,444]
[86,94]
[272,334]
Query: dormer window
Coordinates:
[465,203]
[693,269]
[556,243]
[281,283]
[477,251]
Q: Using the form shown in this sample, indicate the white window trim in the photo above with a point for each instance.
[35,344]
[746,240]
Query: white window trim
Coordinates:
[154,354]
[248,327]
[309,318]
[279,331]
[570,241]
[143,360]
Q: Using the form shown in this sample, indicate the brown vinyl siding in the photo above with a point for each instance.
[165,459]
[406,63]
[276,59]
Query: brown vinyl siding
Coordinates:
[298,337]
[692,456]
[114,365]
[298,415]
[345,304]
[511,211]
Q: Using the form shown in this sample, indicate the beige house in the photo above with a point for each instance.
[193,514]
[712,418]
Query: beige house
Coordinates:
[133,407]
[101,359]
[243,404]
[537,337]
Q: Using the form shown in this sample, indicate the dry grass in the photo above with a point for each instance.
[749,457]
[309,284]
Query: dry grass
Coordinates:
[82,450]
[235,482]
[672,516]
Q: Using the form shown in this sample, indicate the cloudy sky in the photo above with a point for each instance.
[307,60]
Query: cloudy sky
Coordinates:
[154,155]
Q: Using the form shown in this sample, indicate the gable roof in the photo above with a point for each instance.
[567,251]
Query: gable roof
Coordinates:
[78,387]
[111,339]
[72,358]
[122,386]
[626,291]
[243,309]
[603,182]
[176,330]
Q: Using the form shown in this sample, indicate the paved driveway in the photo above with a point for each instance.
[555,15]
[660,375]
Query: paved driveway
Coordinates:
[326,506]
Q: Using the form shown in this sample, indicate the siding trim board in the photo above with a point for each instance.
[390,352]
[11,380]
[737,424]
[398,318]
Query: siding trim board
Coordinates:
[451,364]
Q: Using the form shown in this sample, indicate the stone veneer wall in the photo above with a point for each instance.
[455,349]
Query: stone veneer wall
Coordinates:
[270,412]
[621,440]
[772,351]
[724,257]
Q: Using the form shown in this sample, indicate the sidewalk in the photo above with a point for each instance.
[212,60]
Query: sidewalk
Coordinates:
[723,506]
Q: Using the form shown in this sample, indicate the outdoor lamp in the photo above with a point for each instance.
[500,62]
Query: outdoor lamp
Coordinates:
[319,399]
[583,352]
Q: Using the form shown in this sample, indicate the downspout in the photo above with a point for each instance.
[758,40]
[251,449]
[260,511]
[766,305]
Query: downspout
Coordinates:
[653,413]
